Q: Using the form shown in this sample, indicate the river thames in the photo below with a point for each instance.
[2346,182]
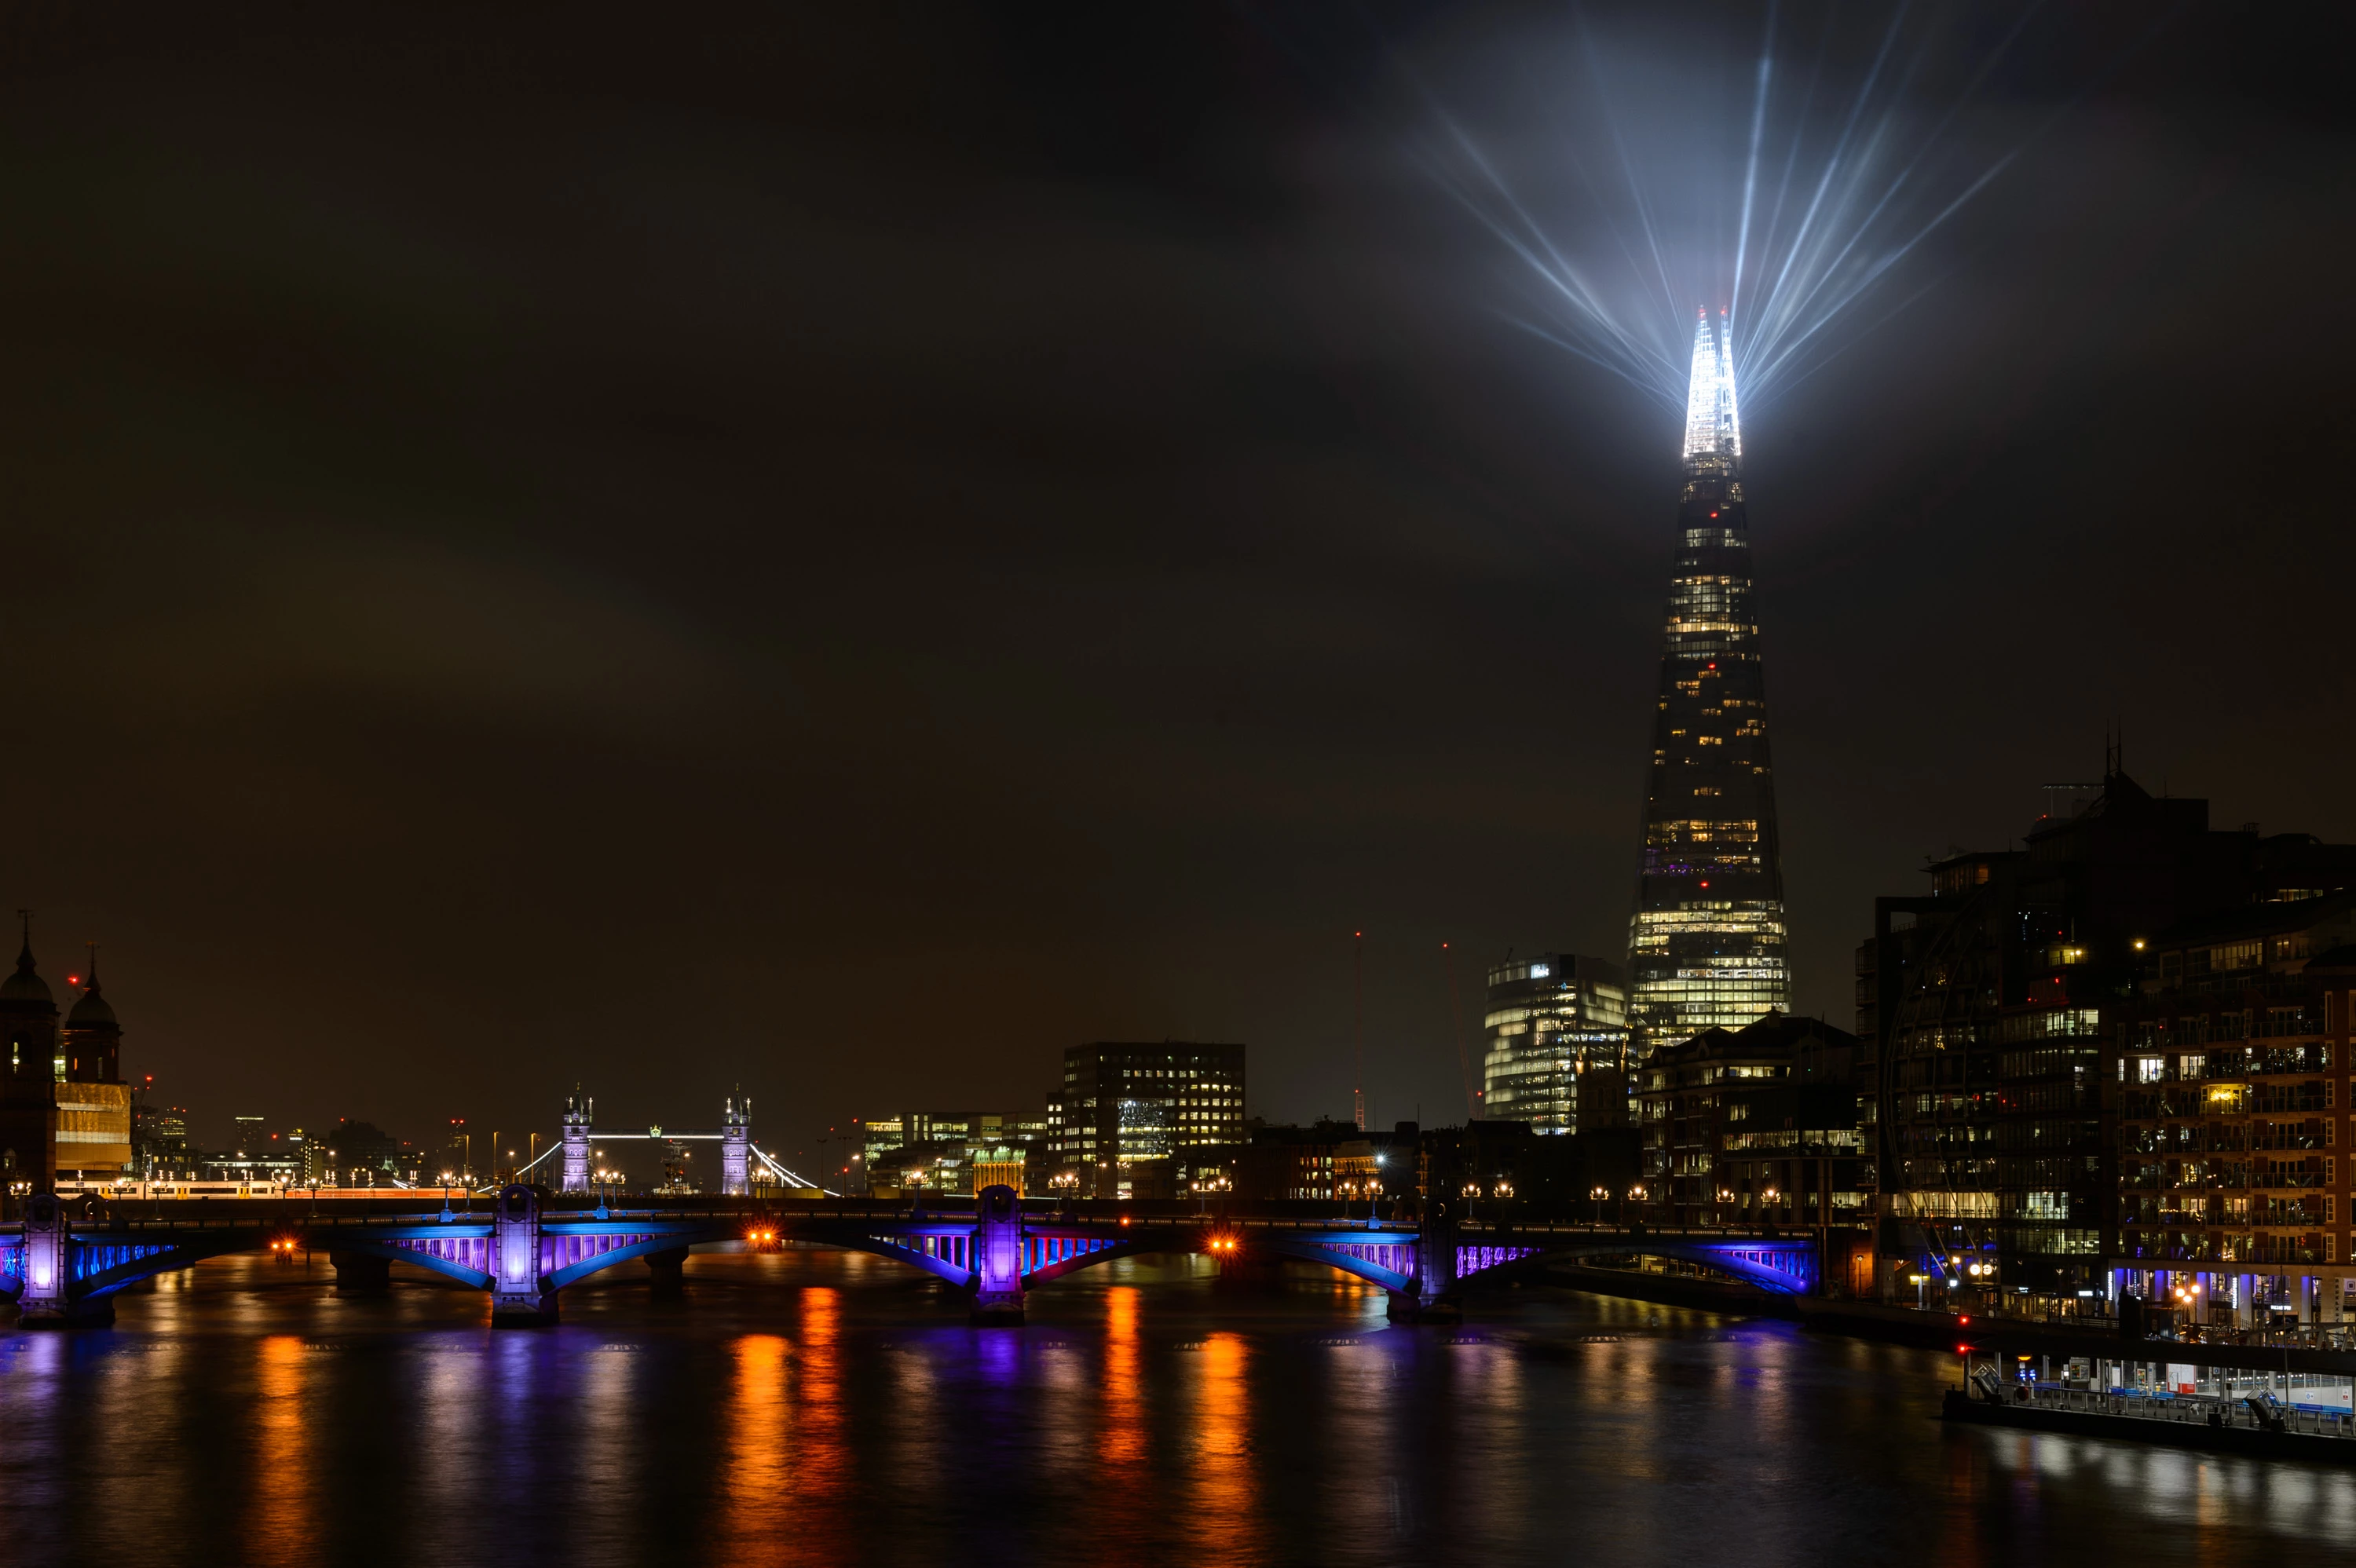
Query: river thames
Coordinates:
[830,1408]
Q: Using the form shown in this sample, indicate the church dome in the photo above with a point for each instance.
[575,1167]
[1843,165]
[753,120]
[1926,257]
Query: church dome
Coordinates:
[92,1009]
[27,984]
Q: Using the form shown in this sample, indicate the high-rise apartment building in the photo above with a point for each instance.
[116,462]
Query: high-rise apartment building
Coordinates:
[2231,1132]
[1551,1019]
[1706,946]
[1127,1112]
[1994,1007]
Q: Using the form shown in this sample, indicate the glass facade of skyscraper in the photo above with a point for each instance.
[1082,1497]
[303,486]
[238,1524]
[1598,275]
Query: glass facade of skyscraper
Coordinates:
[1706,947]
[1550,1018]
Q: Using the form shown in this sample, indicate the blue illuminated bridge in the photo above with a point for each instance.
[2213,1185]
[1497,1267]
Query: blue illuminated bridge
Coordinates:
[61,1267]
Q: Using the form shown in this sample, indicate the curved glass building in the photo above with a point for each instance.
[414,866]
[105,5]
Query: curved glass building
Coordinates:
[1551,1019]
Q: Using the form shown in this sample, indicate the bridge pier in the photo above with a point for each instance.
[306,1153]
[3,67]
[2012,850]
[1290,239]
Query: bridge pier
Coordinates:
[1431,1297]
[668,1271]
[998,1257]
[521,1297]
[360,1273]
[48,1300]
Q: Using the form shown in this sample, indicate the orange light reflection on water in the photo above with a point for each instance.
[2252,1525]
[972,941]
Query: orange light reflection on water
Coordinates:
[282,1527]
[1124,1496]
[815,1460]
[1224,1516]
[1120,1442]
[759,1441]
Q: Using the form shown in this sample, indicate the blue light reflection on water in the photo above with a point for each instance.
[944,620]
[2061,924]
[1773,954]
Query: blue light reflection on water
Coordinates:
[824,1408]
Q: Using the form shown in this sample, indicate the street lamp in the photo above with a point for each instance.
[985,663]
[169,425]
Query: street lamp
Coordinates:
[1598,1194]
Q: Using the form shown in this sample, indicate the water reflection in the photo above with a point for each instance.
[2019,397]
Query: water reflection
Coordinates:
[280,1525]
[821,1454]
[1223,1510]
[35,1456]
[446,1493]
[760,1438]
[814,1408]
[1122,1487]
[605,1439]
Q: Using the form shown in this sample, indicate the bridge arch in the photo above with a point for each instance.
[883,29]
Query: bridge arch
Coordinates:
[1780,1268]
[899,1251]
[121,1264]
[1374,1260]
[946,1251]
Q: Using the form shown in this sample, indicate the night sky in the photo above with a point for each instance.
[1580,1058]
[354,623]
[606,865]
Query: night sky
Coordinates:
[672,547]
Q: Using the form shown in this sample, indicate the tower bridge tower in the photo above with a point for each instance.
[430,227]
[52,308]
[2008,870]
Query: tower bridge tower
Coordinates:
[735,1145]
[577,1107]
[1706,946]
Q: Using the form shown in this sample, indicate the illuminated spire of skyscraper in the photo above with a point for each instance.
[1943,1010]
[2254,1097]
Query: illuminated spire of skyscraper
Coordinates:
[1711,429]
[1706,946]
[1701,391]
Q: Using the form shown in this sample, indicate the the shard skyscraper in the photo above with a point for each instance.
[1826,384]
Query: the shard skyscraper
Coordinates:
[1707,945]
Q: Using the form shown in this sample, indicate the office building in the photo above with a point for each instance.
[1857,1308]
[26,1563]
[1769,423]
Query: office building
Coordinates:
[1551,1019]
[1125,1113]
[892,1147]
[1756,1126]
[1707,945]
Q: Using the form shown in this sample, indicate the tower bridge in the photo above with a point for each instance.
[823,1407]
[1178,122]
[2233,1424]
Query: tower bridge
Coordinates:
[739,1155]
[63,1270]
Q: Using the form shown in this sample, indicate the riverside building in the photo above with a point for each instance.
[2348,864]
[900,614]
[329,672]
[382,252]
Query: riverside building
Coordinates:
[1707,945]
[1991,1009]
[2233,1079]
[65,1112]
[1551,1020]
[1756,1126]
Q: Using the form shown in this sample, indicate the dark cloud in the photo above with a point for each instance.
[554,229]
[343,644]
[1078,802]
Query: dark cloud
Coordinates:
[848,554]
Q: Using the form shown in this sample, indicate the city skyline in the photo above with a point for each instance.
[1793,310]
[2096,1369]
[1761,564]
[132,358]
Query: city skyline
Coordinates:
[894,783]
